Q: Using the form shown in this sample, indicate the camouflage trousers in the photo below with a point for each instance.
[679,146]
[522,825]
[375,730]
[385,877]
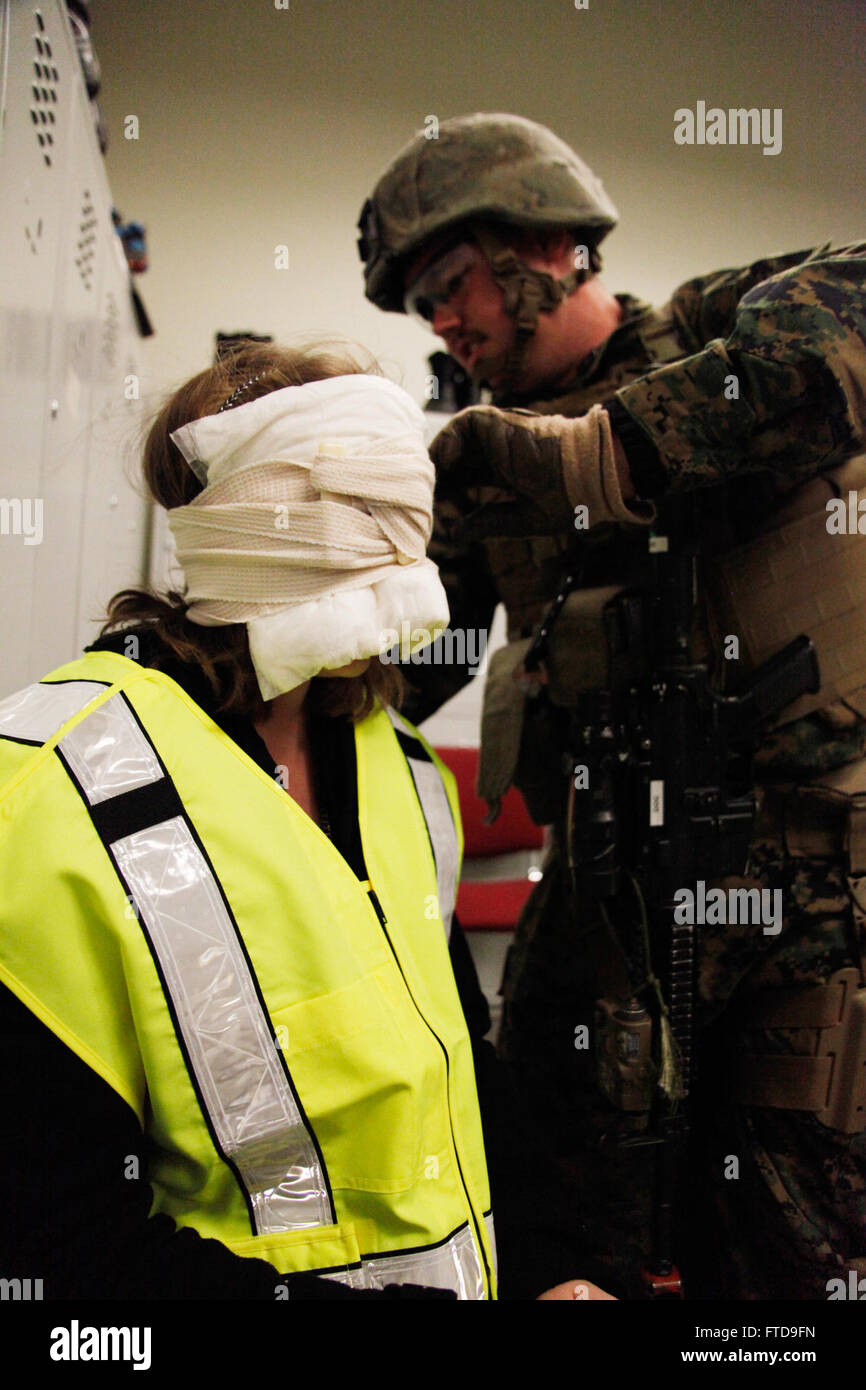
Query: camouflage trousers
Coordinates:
[790,1214]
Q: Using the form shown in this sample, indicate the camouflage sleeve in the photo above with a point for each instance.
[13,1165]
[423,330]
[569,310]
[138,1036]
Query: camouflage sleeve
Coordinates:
[784,392]
[706,307]
[433,675]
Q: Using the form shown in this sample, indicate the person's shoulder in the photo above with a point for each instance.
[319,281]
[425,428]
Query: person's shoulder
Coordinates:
[705,306]
[36,716]
[763,267]
[145,646]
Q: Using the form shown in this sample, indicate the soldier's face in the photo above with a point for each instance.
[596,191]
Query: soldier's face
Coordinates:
[472,321]
[466,309]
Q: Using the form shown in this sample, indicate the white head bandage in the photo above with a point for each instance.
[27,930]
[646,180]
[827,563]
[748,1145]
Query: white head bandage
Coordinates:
[312,527]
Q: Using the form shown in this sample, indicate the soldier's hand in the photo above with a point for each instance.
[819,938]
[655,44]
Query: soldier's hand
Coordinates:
[562,473]
[579,1289]
[483,447]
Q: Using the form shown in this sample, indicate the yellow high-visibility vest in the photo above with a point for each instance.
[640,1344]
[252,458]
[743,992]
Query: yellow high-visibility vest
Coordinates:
[290,1038]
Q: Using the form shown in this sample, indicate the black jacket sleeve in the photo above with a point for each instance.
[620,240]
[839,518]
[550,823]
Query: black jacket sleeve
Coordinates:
[433,674]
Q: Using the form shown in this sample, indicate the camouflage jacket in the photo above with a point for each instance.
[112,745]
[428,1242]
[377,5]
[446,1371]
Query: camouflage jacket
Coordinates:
[789,331]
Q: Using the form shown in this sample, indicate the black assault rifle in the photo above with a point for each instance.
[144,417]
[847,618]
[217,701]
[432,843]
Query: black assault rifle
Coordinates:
[661,795]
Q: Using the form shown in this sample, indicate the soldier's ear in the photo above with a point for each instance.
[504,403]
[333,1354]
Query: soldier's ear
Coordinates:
[558,241]
[527,241]
[558,246]
[552,244]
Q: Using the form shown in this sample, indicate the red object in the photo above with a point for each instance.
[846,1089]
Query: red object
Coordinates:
[494,902]
[492,905]
[668,1285]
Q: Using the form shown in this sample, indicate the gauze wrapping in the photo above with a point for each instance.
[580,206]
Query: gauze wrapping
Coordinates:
[312,527]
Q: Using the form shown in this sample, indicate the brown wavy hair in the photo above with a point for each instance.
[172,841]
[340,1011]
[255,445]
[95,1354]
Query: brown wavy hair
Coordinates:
[222,653]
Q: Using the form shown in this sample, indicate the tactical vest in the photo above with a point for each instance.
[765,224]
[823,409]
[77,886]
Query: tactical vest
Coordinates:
[796,574]
[290,1038]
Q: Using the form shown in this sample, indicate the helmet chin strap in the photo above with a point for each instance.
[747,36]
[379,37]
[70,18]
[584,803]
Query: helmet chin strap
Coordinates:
[526,294]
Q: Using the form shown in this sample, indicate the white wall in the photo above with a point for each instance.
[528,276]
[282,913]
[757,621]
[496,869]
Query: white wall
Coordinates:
[261,126]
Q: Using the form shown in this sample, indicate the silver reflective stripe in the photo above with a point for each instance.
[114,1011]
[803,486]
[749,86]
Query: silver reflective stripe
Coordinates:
[38,711]
[109,754]
[226,1033]
[491,1237]
[440,824]
[227,1036]
[456,1265]
[443,834]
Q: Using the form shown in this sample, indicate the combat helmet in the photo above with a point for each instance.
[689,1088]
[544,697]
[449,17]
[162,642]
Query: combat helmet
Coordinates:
[489,167]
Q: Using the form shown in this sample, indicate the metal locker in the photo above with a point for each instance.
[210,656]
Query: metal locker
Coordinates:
[69,380]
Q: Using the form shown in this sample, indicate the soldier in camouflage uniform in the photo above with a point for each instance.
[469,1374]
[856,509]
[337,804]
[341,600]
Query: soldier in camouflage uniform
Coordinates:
[748,385]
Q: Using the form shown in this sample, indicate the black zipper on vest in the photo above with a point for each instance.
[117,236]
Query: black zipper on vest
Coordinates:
[383,922]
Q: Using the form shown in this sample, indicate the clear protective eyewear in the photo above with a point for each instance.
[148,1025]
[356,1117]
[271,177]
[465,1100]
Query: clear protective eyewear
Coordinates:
[440,281]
